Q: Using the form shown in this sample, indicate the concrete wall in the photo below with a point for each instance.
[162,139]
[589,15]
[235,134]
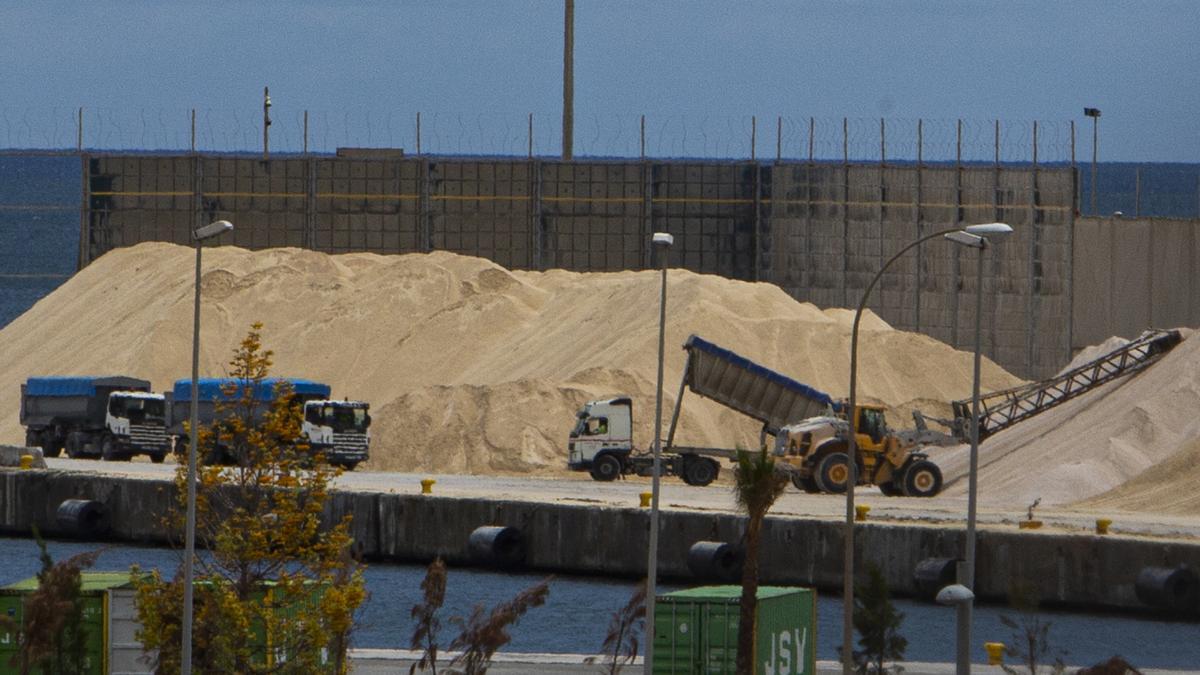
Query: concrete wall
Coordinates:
[818,230]
[1132,273]
[1072,569]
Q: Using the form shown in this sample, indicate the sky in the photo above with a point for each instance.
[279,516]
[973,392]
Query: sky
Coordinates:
[696,70]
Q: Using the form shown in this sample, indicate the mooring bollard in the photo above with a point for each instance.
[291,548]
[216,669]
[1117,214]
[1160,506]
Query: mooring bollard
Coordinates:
[1102,525]
[995,652]
[645,499]
[861,511]
[26,462]
[427,486]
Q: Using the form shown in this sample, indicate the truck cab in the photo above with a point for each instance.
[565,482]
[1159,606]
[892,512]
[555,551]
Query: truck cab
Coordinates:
[138,422]
[340,429]
[602,437]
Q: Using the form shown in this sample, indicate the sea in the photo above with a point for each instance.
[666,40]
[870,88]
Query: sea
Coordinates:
[39,231]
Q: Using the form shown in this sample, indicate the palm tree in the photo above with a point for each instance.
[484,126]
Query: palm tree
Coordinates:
[756,487]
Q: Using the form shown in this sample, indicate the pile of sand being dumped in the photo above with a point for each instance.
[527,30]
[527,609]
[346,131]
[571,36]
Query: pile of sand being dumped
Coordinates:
[1131,444]
[469,367]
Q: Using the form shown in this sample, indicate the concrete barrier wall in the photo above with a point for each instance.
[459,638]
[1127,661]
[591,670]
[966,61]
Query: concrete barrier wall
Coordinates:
[1071,569]
[818,230]
[1132,273]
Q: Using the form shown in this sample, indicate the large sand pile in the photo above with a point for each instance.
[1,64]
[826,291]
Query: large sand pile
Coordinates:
[1132,444]
[469,367]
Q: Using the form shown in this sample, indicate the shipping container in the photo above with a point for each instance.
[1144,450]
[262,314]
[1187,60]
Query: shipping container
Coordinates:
[695,631]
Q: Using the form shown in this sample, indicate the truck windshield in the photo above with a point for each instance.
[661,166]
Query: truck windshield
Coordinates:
[136,409]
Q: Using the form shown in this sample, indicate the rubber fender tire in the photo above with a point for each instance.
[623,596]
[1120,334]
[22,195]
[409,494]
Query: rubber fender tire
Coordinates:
[922,479]
[497,546]
[833,473]
[700,471]
[606,468]
[83,517]
[716,561]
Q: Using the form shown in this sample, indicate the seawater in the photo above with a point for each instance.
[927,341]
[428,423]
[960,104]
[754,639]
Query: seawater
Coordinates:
[576,615]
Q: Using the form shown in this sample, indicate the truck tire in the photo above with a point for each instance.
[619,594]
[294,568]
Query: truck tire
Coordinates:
[109,451]
[700,471]
[606,468]
[75,443]
[833,473]
[805,483]
[158,457]
[922,479]
[347,466]
[51,447]
[33,439]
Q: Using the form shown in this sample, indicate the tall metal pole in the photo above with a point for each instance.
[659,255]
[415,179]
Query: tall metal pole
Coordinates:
[266,123]
[189,555]
[663,244]
[568,124]
[852,467]
[967,578]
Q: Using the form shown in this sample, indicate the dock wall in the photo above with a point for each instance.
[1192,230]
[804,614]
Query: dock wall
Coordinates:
[1068,569]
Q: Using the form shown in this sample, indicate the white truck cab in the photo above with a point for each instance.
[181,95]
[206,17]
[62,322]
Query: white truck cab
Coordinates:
[602,428]
[136,422]
[340,429]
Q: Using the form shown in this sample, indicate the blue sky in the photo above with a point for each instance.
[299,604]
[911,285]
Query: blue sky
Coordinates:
[698,69]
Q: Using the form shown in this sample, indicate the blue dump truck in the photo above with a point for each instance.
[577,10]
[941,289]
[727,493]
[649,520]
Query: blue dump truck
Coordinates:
[339,429]
[98,417]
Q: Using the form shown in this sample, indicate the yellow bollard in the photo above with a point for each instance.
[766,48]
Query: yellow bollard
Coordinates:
[645,498]
[1102,525]
[860,512]
[26,462]
[427,486]
[995,652]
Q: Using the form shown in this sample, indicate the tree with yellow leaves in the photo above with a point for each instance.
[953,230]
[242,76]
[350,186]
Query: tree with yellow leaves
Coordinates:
[277,591]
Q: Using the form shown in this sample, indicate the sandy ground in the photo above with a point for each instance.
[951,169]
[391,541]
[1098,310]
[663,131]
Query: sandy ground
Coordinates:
[474,369]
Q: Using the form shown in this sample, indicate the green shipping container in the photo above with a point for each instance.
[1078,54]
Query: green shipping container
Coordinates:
[695,631]
[96,587]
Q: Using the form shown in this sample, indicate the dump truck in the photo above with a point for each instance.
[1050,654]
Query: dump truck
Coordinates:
[111,417]
[602,440]
[340,429]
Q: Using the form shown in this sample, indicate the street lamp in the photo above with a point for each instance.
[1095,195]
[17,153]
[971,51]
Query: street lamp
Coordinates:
[662,243]
[976,237]
[198,236]
[1094,113]
[957,235]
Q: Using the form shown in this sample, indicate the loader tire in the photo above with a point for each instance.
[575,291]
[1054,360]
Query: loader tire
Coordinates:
[833,473]
[807,484]
[890,489]
[606,468]
[922,479]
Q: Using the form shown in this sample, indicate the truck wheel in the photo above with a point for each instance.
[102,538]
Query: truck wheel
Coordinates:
[833,473]
[922,479]
[805,483]
[158,457]
[700,471]
[33,439]
[348,466]
[75,446]
[50,445]
[108,449]
[606,468]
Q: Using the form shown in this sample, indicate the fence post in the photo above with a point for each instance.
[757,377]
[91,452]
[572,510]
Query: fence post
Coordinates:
[1137,192]
[418,132]
[79,139]
[643,141]
[530,135]
[305,132]
[193,130]
[753,136]
[778,138]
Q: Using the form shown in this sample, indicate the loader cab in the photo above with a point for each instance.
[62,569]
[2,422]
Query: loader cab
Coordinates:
[872,427]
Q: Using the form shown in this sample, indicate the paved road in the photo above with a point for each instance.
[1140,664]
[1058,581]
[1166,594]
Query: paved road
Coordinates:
[580,489]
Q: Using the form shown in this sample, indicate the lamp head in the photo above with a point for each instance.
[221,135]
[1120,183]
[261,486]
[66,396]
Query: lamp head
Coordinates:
[662,239]
[966,239]
[211,230]
[990,230]
[1091,112]
[955,594]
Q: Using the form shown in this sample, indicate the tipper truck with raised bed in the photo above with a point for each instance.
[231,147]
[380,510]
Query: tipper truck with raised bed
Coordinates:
[602,439]
[340,429]
[602,444]
[98,417]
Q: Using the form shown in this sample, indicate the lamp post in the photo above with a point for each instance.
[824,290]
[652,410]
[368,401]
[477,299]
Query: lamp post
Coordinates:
[976,238]
[198,235]
[662,244]
[1094,113]
[955,235]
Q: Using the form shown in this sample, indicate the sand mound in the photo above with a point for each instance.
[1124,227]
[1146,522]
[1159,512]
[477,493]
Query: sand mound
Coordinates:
[469,367]
[1138,432]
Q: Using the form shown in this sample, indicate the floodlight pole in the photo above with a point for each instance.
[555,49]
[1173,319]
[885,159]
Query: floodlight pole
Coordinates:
[189,556]
[662,243]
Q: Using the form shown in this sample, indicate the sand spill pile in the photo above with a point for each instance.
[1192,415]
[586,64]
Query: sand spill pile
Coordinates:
[469,367]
